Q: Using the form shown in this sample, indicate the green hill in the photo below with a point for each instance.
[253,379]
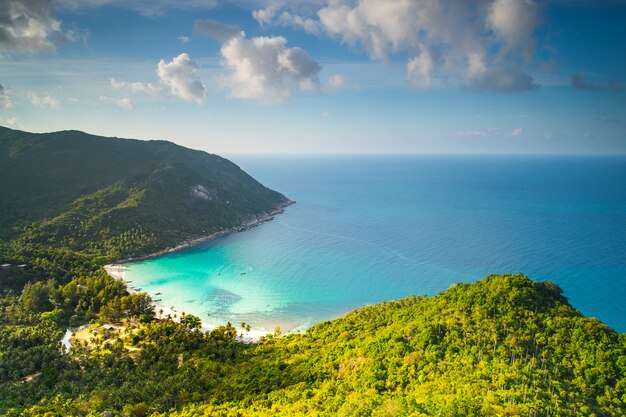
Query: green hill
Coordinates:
[118,197]
[504,346]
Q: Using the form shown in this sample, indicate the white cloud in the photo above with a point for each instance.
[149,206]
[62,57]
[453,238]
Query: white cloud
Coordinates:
[5,100]
[43,101]
[264,16]
[517,132]
[183,39]
[265,69]
[135,87]
[335,82]
[26,25]
[513,23]
[419,68]
[472,42]
[11,122]
[217,30]
[179,76]
[125,102]
[270,16]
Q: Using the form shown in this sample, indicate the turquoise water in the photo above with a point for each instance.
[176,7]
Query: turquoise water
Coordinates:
[368,229]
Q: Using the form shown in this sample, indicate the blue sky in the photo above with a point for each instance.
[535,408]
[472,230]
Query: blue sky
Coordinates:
[317,76]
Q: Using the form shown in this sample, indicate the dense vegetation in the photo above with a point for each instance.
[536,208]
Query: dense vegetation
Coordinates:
[503,346]
[69,198]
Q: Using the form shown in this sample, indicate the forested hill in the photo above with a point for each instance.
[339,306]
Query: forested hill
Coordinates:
[504,346]
[116,197]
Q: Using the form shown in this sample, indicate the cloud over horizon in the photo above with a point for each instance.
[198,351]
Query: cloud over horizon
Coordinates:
[472,43]
[5,100]
[43,101]
[265,69]
[177,78]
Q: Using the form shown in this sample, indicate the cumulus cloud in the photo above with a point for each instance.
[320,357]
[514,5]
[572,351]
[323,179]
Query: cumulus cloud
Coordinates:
[217,30]
[265,69]
[44,101]
[419,68]
[579,81]
[264,16]
[27,25]
[472,42]
[517,132]
[5,100]
[513,23]
[179,76]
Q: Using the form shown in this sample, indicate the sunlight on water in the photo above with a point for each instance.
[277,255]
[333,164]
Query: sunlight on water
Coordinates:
[368,229]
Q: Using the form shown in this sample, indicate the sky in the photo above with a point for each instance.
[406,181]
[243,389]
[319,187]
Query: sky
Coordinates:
[322,76]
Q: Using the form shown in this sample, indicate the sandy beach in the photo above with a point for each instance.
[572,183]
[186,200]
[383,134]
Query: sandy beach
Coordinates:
[118,271]
[163,312]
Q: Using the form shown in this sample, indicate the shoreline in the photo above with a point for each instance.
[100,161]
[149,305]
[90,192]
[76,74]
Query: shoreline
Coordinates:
[191,242]
[161,312]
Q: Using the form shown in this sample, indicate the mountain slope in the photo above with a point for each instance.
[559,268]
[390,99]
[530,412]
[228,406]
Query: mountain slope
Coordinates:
[502,346]
[118,196]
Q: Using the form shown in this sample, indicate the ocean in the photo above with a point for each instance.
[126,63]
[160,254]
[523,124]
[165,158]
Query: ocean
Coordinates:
[371,228]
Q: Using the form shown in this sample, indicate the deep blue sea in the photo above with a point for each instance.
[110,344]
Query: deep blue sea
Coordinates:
[372,228]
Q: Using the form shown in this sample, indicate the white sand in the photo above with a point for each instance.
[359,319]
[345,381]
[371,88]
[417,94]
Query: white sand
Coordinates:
[118,271]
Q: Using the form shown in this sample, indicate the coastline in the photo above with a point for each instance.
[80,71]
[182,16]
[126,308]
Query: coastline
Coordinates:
[117,269]
[188,243]
[163,312]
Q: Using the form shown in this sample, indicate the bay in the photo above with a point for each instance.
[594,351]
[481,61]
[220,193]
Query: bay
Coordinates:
[371,228]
